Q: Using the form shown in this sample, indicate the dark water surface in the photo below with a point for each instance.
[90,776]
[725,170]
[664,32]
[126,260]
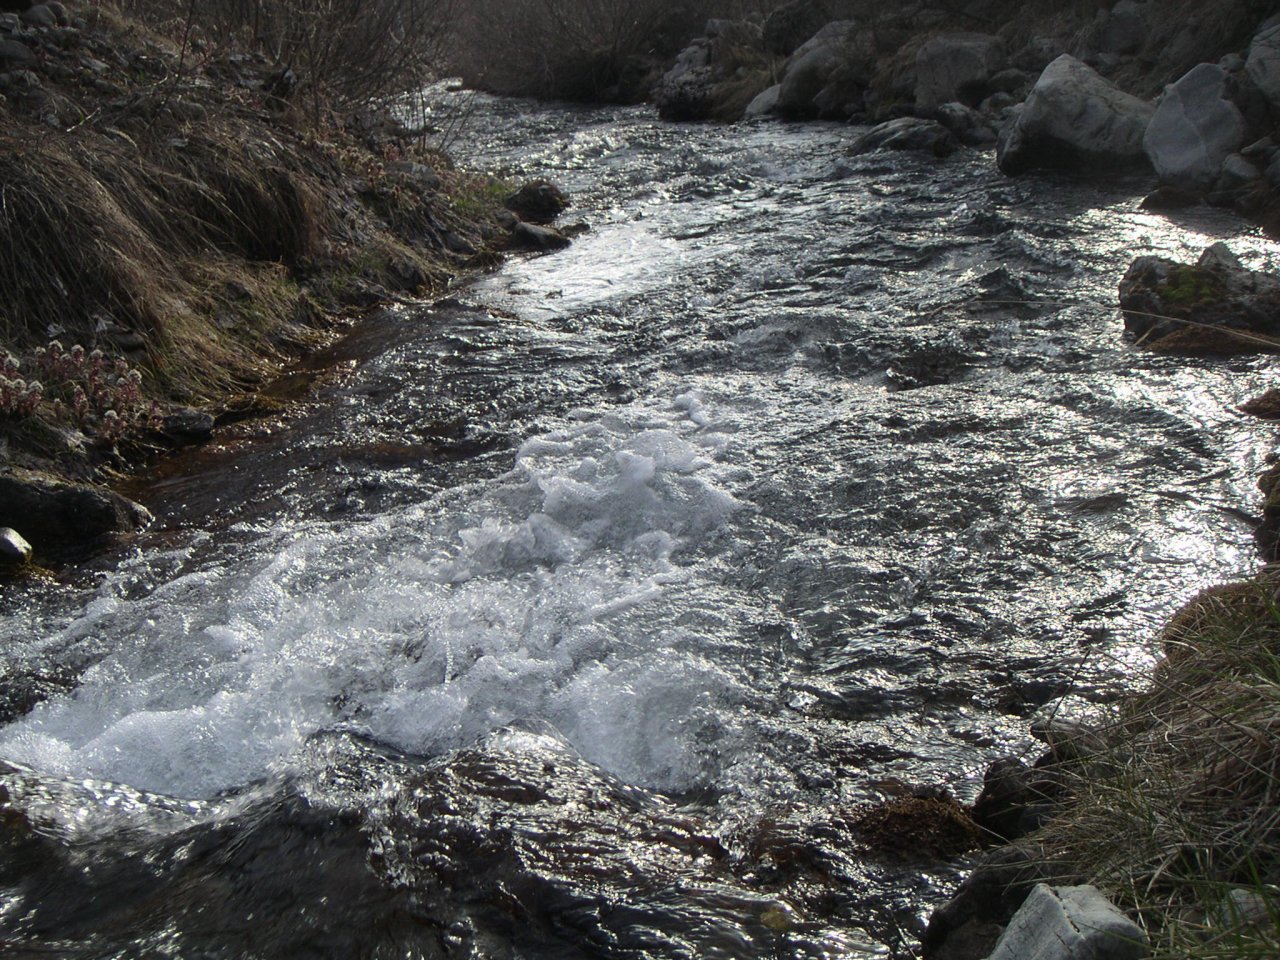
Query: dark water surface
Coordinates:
[578,615]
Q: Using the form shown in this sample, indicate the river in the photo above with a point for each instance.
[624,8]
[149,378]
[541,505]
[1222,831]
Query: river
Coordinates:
[579,614]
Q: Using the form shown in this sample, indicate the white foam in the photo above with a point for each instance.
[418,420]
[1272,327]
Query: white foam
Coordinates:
[556,594]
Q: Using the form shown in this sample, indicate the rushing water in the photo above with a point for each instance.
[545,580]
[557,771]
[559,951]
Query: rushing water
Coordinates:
[578,616]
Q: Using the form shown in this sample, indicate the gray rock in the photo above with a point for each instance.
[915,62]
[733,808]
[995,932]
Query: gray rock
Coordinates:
[1074,119]
[787,27]
[685,91]
[907,133]
[1273,171]
[188,425]
[1263,65]
[765,102]
[39,15]
[1260,151]
[956,66]
[10,23]
[533,237]
[1039,53]
[1214,306]
[810,69]
[13,549]
[1194,129]
[1237,173]
[1232,63]
[1124,29]
[14,55]
[59,11]
[61,516]
[419,173]
[969,126]
[1012,81]
[539,201]
[1070,923]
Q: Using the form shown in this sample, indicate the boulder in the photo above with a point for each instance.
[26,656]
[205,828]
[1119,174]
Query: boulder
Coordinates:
[538,201]
[1070,923]
[811,69]
[1194,129]
[684,91]
[765,102]
[39,15]
[60,517]
[1213,306]
[1263,64]
[1074,119]
[907,133]
[13,548]
[15,55]
[956,66]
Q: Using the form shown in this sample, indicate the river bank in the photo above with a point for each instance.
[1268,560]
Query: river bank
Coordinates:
[179,225]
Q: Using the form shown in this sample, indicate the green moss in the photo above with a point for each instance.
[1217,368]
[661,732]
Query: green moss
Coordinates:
[1186,288]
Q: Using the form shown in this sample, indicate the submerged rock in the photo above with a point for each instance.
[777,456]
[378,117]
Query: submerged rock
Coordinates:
[908,133]
[59,516]
[1076,120]
[1213,306]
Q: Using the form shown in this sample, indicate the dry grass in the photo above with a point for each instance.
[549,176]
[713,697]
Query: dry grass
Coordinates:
[1183,807]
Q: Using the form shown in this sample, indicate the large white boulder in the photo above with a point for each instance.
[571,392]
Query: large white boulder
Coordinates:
[1194,129]
[956,67]
[1075,119]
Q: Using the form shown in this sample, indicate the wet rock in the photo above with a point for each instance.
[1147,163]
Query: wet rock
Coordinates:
[1075,120]
[538,201]
[956,67]
[1070,923]
[1171,198]
[1194,129]
[62,517]
[1263,64]
[907,133]
[534,237]
[1213,306]
[13,548]
[187,425]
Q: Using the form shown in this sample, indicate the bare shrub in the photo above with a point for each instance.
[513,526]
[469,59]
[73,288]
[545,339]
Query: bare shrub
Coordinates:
[571,49]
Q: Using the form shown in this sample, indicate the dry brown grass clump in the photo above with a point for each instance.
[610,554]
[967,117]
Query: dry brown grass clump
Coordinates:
[1178,817]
